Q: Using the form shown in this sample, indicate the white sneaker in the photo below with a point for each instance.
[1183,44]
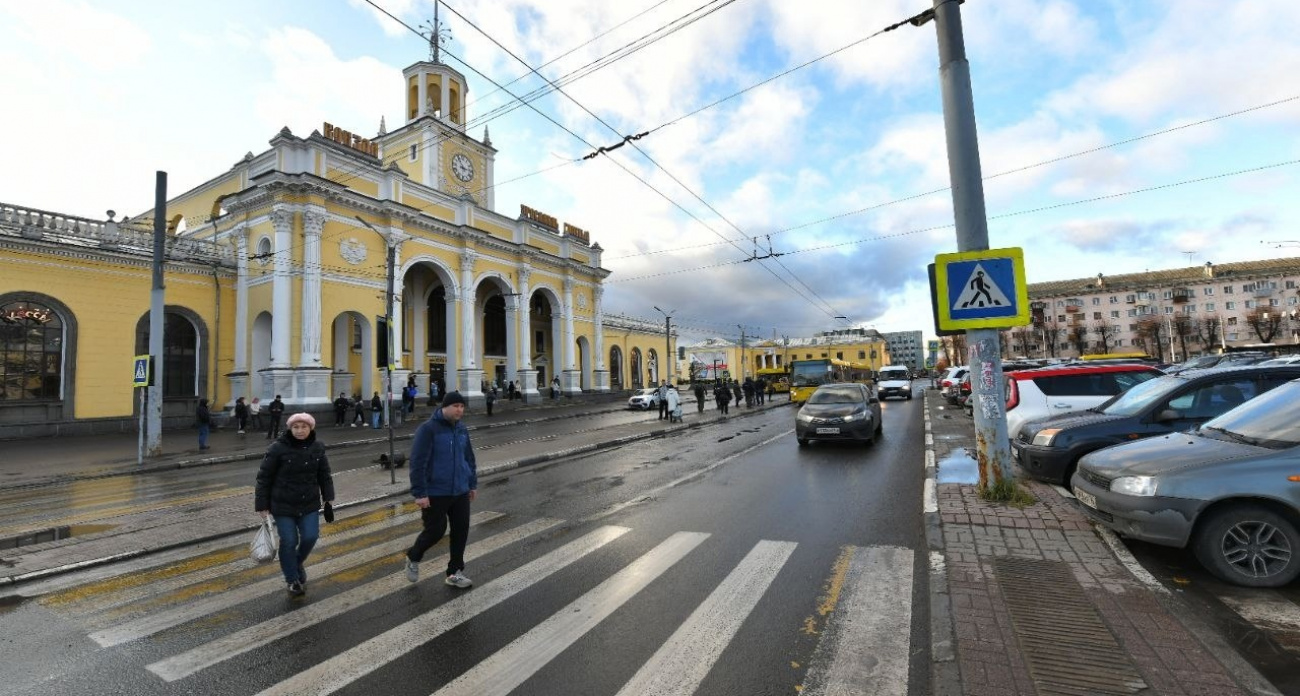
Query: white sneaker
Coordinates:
[458,579]
[412,571]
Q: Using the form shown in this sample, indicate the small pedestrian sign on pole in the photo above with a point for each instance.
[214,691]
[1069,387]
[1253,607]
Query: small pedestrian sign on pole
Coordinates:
[140,372]
[981,289]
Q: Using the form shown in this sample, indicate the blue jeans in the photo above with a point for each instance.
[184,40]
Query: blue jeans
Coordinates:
[204,428]
[297,537]
[374,419]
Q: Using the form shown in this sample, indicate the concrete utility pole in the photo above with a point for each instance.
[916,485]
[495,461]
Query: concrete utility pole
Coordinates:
[983,345]
[388,368]
[157,307]
[388,344]
[668,342]
[742,351]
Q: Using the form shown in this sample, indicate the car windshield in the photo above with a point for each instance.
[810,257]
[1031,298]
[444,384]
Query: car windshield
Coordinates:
[647,392]
[893,374]
[1141,396]
[836,396]
[1271,419]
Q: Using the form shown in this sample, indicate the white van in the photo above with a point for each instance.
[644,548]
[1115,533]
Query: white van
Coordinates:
[894,380]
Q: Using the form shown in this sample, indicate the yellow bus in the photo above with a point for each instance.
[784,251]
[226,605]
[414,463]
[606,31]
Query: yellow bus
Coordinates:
[778,377]
[807,375]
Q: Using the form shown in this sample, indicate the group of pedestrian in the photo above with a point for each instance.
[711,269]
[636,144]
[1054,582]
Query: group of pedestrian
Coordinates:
[245,415]
[296,489]
[670,402]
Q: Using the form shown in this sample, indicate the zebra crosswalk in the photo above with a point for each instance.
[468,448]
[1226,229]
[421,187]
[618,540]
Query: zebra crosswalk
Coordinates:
[862,645]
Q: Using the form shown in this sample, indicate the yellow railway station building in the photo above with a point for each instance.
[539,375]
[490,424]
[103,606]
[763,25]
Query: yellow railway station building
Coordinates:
[276,278]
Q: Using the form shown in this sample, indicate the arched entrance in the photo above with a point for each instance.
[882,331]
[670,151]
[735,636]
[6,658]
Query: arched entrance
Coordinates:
[260,357]
[615,368]
[353,358]
[429,345]
[637,381]
[584,364]
[544,328]
[494,331]
[184,360]
[652,367]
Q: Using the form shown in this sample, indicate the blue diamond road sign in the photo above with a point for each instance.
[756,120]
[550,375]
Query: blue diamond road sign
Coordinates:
[981,289]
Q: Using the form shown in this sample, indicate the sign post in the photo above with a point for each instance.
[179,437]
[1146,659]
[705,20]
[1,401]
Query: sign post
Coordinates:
[140,370]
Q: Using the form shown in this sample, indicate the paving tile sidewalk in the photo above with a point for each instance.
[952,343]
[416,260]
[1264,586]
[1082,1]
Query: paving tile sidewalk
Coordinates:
[978,649]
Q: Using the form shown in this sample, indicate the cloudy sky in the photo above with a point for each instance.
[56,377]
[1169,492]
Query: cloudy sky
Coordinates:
[1115,136]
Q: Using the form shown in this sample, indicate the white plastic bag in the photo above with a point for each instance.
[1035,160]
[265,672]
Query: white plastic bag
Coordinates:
[266,542]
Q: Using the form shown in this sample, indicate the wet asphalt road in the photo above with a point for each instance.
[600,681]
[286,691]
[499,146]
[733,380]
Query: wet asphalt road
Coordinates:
[817,504]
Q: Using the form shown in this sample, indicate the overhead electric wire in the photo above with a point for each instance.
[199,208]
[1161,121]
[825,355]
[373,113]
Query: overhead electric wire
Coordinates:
[1016,170]
[830,310]
[1001,216]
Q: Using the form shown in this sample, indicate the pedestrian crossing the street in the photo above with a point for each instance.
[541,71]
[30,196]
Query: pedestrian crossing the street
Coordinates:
[198,618]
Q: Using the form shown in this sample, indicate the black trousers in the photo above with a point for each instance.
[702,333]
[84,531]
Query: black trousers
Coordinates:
[442,509]
[663,408]
[273,431]
[699,404]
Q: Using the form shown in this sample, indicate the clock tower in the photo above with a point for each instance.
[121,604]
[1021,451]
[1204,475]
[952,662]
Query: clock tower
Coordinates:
[439,151]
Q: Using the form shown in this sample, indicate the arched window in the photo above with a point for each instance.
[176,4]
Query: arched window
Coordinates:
[31,352]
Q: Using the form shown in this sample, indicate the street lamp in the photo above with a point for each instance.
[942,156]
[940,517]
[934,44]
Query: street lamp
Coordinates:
[668,348]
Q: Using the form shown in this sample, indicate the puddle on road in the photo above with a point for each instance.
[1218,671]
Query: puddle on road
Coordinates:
[11,602]
[958,467]
[53,534]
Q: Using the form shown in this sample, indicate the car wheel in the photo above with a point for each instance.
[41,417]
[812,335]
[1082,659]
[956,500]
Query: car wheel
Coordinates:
[1249,545]
[803,441]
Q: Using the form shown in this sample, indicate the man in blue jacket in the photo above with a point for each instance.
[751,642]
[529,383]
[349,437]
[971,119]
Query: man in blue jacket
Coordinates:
[444,481]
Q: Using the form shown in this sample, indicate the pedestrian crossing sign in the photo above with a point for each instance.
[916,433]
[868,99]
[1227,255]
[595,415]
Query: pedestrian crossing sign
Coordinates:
[981,289]
[140,371]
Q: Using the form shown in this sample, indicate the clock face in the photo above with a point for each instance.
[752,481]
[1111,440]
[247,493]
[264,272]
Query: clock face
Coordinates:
[462,167]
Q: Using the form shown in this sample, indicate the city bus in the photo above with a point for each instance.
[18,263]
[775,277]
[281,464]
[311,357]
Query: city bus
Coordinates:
[807,375]
[778,377]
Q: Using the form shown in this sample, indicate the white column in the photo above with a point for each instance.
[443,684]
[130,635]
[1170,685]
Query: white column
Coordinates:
[525,345]
[313,222]
[281,293]
[568,324]
[512,337]
[469,357]
[421,95]
[241,299]
[600,376]
[596,294]
[445,108]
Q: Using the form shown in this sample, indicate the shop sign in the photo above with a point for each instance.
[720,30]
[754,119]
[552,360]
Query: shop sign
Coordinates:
[349,139]
[27,315]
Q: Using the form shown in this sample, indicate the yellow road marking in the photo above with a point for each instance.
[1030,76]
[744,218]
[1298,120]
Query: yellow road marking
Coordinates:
[834,586]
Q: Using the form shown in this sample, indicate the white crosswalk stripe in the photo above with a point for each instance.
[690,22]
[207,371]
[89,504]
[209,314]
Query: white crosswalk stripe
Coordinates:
[862,643]
[266,632]
[499,674]
[333,674]
[150,624]
[686,658]
[865,648]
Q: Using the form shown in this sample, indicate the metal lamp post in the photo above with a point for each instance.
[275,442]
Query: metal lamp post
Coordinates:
[668,341]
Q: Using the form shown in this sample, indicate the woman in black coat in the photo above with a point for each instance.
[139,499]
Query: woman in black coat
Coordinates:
[294,479]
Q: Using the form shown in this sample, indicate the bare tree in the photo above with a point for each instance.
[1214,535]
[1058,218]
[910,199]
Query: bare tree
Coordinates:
[1051,330]
[1149,330]
[1264,323]
[1183,327]
[1020,338]
[1106,331]
[1077,335]
[1208,329]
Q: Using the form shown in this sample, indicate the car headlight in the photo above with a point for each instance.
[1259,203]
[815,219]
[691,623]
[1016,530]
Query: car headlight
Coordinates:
[804,418]
[1144,486]
[855,416]
[1045,436]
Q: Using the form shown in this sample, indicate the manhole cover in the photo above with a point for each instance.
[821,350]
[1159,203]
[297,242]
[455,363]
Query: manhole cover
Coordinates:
[1068,649]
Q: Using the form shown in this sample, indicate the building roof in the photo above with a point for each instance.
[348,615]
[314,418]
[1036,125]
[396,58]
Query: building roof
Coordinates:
[1241,270]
